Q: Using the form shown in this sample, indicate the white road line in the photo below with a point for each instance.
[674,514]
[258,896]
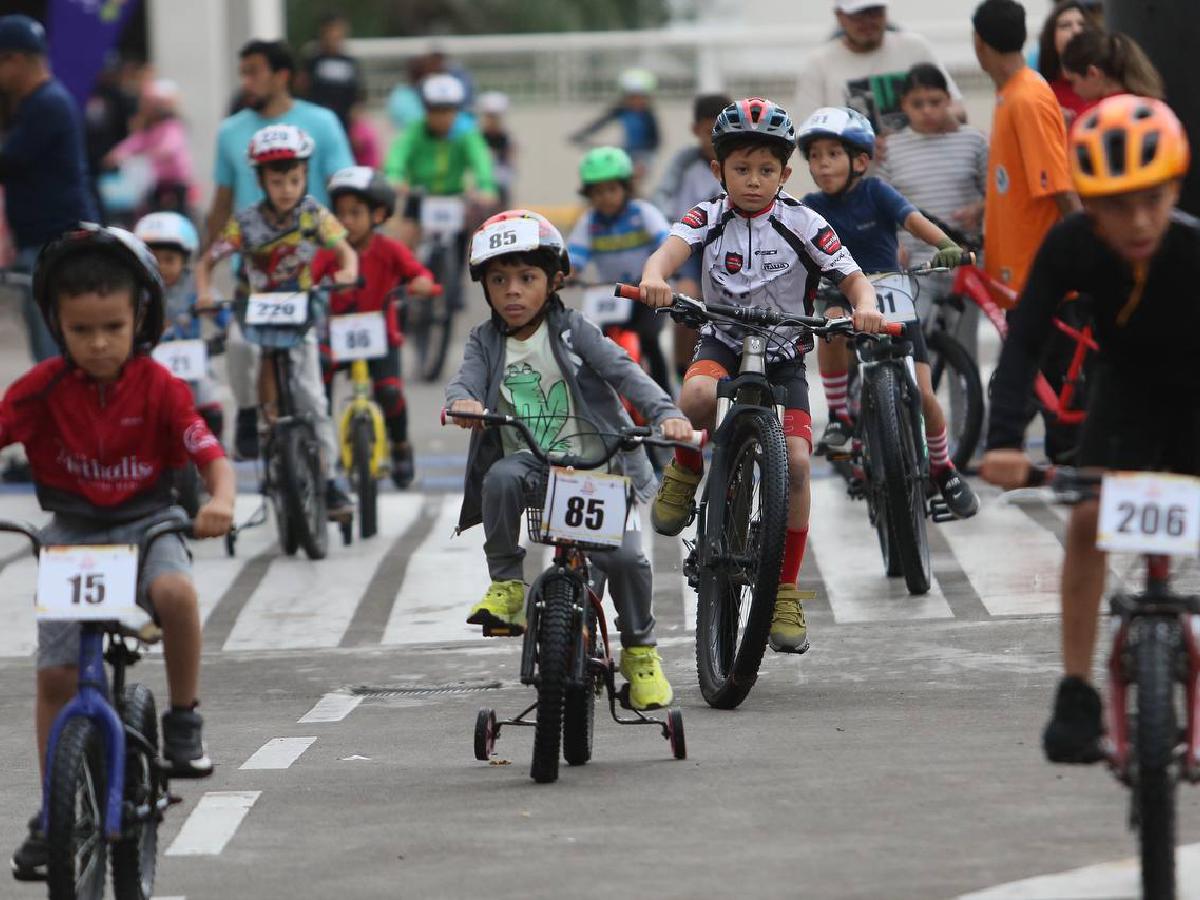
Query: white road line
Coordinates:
[445,577]
[18,637]
[212,823]
[1106,881]
[331,708]
[306,603]
[847,550]
[218,570]
[278,753]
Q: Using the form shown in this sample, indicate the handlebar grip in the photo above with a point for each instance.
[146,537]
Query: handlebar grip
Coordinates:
[443,415]
[894,329]
[1040,476]
[700,438]
[628,291]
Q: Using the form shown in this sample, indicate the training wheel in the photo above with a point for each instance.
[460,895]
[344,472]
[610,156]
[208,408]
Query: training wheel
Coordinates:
[675,733]
[230,544]
[485,734]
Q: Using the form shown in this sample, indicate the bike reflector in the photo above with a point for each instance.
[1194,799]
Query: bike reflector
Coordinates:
[499,238]
[585,507]
[87,583]
[1149,512]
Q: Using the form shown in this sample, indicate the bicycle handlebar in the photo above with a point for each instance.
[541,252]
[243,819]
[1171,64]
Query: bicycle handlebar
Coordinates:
[185,527]
[630,438]
[755,315]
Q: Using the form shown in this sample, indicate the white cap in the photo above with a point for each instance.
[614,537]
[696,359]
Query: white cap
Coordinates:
[850,7]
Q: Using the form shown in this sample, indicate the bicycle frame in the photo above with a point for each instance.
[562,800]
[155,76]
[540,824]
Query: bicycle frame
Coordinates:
[362,404]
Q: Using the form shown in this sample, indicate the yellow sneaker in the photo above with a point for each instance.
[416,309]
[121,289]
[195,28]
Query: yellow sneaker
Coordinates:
[648,686]
[673,506]
[501,612]
[789,634]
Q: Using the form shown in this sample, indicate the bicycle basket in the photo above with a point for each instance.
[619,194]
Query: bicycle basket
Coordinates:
[536,486]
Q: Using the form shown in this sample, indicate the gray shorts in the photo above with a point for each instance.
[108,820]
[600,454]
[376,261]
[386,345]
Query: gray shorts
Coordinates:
[58,642]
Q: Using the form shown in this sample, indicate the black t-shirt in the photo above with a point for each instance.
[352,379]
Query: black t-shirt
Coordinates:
[1147,322]
[335,82]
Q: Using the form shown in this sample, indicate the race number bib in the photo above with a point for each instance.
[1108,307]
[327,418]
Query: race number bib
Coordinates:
[585,506]
[896,297]
[187,360]
[358,336]
[509,236]
[442,215]
[87,583]
[288,308]
[601,307]
[1149,512]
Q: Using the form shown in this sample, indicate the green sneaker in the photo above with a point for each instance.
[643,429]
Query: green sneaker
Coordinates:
[673,506]
[648,686]
[501,612]
[789,634]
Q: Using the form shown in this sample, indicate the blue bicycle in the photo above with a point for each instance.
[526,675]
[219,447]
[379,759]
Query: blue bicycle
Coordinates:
[104,783]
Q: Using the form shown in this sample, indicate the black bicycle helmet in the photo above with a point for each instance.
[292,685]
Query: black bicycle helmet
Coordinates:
[366,183]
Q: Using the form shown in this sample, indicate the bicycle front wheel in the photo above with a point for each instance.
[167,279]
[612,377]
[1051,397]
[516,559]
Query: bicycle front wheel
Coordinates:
[747,526]
[579,708]
[554,643]
[78,852]
[894,449]
[1157,737]
[362,438]
[432,319]
[959,390]
[303,489]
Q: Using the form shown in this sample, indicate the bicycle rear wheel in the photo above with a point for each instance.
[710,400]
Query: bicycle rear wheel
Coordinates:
[959,390]
[78,852]
[894,447]
[747,525]
[1156,737]
[303,489]
[135,856]
[554,643]
[579,709]
[362,437]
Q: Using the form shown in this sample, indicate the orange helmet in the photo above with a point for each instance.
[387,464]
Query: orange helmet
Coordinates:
[1127,143]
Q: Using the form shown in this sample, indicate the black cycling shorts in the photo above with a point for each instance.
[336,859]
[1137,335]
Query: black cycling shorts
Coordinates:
[786,373]
[1134,423]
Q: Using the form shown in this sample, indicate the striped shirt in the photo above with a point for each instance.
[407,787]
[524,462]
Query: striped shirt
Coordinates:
[939,174]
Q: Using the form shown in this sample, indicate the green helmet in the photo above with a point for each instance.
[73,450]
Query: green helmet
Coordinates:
[605,164]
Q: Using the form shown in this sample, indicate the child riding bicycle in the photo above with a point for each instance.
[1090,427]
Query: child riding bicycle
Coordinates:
[761,247]
[1139,259]
[104,427]
[548,365]
[617,234]
[363,200]
[838,144]
[279,240]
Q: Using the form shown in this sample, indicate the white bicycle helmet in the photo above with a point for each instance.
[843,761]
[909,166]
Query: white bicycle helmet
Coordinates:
[842,123]
[638,81]
[517,231]
[493,103]
[443,90]
[168,229]
[279,143]
[366,183]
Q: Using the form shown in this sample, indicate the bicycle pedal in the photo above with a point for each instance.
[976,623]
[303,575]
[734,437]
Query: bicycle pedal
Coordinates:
[939,510]
[503,630]
[623,697]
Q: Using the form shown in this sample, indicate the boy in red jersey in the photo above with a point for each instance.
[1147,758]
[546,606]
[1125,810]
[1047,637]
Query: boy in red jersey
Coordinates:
[363,200]
[104,427]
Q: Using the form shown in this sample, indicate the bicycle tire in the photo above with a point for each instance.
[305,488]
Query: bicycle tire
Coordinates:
[951,362]
[77,774]
[554,646]
[135,856]
[289,543]
[726,667]
[579,707]
[903,488]
[303,490]
[1156,739]
[437,343]
[365,486]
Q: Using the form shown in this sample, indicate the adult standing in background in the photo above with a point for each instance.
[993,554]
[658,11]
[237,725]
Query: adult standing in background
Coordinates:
[1067,19]
[331,77]
[265,69]
[864,66]
[43,166]
[1099,64]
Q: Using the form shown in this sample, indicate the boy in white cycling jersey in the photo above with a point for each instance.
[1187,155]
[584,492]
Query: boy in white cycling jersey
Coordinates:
[759,247]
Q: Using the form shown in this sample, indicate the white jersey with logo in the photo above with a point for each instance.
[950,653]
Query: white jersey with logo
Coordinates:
[775,259]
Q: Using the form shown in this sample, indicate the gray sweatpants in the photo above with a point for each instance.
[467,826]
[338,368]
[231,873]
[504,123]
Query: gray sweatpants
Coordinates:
[627,571]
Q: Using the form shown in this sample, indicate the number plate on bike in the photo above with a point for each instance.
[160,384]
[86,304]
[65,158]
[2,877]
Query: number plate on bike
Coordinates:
[87,583]
[603,308]
[290,308]
[442,215]
[358,336]
[186,359]
[1150,512]
[585,506]
[896,297]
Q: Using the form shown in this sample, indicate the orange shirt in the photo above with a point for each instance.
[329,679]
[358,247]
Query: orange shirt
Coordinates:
[1027,166]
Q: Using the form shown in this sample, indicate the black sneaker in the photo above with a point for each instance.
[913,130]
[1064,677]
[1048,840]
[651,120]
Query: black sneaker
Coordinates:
[957,493]
[337,502]
[402,466]
[1074,731]
[29,862]
[245,435]
[183,744]
[837,438]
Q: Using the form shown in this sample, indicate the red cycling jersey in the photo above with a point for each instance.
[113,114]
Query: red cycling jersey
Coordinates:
[383,265]
[102,450]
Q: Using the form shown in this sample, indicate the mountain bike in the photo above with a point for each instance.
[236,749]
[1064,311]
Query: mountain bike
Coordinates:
[741,518]
[429,325]
[565,652]
[1153,710]
[105,789]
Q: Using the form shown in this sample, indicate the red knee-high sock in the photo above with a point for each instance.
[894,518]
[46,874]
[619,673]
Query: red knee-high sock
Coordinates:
[793,555]
[690,459]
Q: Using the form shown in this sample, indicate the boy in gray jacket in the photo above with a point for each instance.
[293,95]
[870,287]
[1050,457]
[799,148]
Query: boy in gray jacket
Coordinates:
[550,366]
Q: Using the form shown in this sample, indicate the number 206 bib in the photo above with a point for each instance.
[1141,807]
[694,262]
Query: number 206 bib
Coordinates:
[1149,512]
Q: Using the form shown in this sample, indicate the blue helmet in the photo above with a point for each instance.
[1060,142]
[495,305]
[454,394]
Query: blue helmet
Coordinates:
[168,229]
[841,123]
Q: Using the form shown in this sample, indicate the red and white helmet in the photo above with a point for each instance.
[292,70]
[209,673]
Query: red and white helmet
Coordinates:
[516,231]
[279,143]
